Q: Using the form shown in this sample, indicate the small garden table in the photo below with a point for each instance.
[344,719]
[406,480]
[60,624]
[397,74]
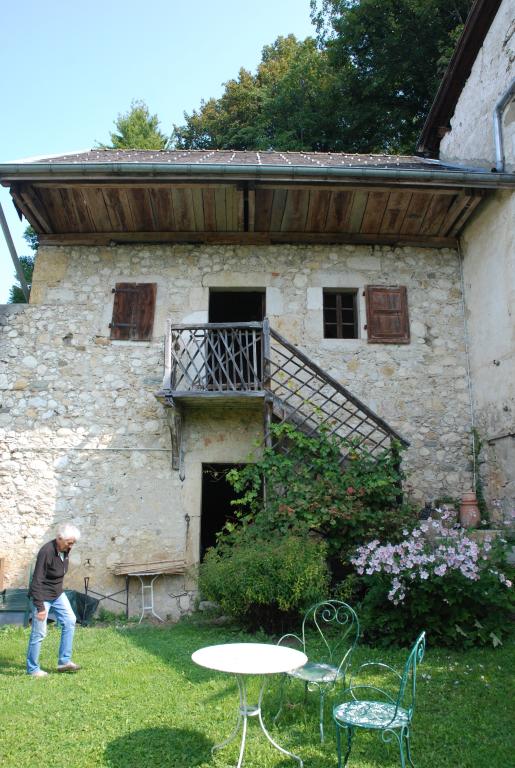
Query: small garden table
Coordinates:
[241,660]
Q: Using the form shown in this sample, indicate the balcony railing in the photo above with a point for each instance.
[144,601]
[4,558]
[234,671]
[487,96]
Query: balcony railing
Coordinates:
[242,360]
[215,357]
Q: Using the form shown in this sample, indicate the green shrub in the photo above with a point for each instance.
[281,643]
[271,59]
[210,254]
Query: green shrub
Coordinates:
[265,583]
[437,579]
[309,489]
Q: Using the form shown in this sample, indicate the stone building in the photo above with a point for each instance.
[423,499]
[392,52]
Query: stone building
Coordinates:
[183,299]
[472,124]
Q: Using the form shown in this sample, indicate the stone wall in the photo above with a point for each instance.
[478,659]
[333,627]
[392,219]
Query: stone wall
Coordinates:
[489,278]
[84,439]
[471,139]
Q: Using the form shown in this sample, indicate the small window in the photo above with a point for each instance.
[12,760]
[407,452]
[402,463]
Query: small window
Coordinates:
[133,311]
[340,314]
[387,314]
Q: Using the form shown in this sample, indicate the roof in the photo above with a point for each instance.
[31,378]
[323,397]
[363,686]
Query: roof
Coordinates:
[107,196]
[476,27]
[238,157]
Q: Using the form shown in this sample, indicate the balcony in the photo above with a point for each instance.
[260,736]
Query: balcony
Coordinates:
[251,364]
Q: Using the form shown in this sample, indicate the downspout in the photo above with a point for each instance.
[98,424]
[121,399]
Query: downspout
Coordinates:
[498,115]
[475,468]
[14,255]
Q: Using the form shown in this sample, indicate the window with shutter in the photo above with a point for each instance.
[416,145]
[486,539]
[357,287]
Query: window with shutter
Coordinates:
[133,311]
[387,314]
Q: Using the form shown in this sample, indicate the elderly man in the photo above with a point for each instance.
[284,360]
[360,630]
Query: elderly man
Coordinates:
[46,590]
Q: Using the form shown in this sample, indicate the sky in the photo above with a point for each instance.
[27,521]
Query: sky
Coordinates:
[70,67]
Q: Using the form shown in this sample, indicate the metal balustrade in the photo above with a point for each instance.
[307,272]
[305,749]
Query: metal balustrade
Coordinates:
[251,360]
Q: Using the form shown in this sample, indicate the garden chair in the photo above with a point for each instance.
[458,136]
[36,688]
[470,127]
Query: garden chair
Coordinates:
[330,631]
[388,712]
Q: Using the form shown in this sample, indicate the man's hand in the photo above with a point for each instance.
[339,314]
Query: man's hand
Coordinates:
[41,615]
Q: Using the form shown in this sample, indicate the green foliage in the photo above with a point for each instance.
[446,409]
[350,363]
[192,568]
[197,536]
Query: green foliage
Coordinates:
[265,583]
[137,129]
[456,611]
[457,590]
[366,87]
[386,71]
[27,264]
[287,104]
[477,447]
[309,490]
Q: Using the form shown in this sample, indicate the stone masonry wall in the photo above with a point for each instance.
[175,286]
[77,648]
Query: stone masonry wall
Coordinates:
[471,138]
[85,440]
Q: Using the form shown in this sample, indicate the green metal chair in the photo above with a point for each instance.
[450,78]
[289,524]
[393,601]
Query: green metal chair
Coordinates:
[390,712]
[330,631]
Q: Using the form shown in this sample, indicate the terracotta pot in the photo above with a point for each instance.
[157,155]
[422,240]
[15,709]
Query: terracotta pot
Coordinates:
[469,510]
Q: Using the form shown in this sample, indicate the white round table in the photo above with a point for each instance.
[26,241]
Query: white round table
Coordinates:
[242,659]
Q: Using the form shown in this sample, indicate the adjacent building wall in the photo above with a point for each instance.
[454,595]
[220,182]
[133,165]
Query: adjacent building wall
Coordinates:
[489,278]
[488,249]
[84,438]
[471,139]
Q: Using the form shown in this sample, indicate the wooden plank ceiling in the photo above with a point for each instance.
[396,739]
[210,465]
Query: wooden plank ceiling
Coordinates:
[82,212]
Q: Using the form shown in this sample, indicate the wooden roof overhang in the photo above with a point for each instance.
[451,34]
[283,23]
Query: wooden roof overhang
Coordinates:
[115,203]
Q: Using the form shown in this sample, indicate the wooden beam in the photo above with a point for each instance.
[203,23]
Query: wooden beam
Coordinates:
[471,206]
[247,238]
[30,200]
[251,208]
[455,210]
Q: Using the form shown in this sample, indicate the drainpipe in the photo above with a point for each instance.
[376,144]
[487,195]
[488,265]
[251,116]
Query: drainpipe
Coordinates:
[498,114]
[14,255]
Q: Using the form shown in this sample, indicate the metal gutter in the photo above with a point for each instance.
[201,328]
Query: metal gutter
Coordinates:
[12,172]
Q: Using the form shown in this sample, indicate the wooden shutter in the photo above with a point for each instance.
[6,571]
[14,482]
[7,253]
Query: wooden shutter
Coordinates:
[133,311]
[387,314]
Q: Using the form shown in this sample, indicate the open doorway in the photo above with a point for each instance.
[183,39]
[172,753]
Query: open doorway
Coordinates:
[236,306]
[234,354]
[216,509]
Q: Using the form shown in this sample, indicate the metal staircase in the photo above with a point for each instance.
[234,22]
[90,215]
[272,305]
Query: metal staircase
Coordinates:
[234,363]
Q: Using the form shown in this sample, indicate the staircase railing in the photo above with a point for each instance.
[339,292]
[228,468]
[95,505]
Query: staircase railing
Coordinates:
[252,358]
[307,396]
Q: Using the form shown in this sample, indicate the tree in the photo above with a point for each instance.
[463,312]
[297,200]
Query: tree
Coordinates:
[387,57]
[365,84]
[137,129]
[285,105]
[27,264]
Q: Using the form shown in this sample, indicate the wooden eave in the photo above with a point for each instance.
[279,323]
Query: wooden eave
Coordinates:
[107,210]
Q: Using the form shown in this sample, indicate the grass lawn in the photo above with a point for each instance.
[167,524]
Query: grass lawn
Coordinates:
[140,702]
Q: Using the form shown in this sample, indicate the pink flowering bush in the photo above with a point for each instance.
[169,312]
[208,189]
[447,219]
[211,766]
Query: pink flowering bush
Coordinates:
[439,579]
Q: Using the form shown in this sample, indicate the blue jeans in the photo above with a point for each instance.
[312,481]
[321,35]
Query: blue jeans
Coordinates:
[66,619]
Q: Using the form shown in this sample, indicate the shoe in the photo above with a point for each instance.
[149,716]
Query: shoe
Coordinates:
[68,667]
[39,673]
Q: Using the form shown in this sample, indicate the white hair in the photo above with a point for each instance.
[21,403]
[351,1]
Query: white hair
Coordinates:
[67,531]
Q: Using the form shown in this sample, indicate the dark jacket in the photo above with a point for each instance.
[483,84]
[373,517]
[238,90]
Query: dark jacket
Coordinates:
[48,576]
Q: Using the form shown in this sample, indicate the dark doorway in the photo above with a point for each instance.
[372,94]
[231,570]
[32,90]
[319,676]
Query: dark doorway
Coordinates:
[234,355]
[236,306]
[216,509]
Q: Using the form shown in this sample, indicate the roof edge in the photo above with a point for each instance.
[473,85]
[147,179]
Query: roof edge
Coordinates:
[476,28]
[441,175]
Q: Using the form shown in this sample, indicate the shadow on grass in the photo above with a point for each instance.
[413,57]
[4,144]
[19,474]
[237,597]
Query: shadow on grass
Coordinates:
[159,748]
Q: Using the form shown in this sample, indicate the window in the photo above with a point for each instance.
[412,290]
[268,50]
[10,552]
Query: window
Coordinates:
[340,314]
[133,311]
[387,314]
